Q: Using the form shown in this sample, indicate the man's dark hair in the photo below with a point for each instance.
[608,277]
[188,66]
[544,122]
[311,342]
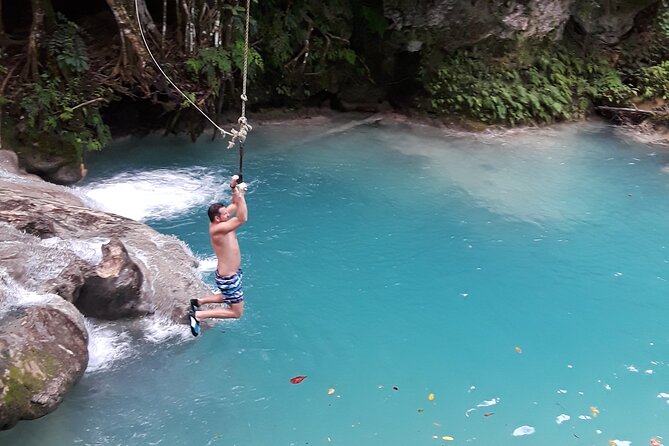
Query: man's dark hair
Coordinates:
[213,211]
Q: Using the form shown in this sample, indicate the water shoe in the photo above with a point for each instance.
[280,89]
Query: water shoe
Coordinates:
[194,323]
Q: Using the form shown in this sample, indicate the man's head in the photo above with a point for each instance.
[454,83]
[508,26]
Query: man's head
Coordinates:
[218,210]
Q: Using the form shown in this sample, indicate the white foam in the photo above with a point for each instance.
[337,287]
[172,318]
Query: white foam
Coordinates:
[487,403]
[159,329]
[523,430]
[663,395]
[88,250]
[562,391]
[633,369]
[584,417]
[207,265]
[621,442]
[562,418]
[155,194]
[107,344]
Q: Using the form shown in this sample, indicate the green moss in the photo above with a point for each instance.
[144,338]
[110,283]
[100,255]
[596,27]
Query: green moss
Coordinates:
[21,385]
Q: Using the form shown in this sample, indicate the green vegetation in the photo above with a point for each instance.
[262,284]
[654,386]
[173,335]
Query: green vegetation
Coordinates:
[56,106]
[536,84]
[20,387]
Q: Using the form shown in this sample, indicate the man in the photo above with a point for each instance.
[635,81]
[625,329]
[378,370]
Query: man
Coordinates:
[223,239]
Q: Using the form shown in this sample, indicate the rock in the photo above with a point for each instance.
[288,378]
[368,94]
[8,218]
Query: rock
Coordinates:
[457,23]
[113,290]
[43,353]
[608,20]
[51,242]
[53,168]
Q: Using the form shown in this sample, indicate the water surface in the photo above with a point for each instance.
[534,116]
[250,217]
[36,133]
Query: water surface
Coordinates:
[521,279]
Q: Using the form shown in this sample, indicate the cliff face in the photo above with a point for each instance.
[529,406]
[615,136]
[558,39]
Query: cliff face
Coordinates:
[70,73]
[457,23]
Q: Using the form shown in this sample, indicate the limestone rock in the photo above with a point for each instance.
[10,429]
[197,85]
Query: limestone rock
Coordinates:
[459,23]
[43,353]
[608,20]
[113,289]
[51,242]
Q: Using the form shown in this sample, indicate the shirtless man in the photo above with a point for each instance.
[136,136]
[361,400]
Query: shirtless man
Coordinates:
[229,275]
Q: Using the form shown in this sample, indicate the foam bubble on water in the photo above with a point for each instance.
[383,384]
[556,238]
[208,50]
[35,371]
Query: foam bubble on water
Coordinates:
[562,391]
[562,418]
[632,369]
[621,442]
[523,430]
[159,329]
[648,372]
[663,395]
[107,344]
[487,403]
[584,417]
[207,264]
[155,194]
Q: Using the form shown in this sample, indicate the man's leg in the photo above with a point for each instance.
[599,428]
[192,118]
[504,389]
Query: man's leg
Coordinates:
[234,312]
[211,299]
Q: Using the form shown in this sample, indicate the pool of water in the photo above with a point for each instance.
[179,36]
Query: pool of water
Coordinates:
[435,289]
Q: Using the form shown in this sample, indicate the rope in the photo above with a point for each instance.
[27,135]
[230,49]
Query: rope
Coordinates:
[244,127]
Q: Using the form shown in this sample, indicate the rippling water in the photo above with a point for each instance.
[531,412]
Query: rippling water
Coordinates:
[434,288]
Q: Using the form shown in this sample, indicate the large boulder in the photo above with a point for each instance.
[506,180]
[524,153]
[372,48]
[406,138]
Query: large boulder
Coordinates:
[457,23]
[52,243]
[608,20]
[43,353]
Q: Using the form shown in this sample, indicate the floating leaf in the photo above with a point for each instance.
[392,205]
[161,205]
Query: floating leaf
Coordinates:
[431,397]
[331,391]
[519,350]
[447,438]
[298,379]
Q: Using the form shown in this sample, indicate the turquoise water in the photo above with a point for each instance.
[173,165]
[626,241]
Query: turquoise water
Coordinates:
[521,279]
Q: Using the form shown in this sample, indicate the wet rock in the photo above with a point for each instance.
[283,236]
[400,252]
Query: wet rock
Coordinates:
[43,353]
[52,243]
[52,167]
[113,289]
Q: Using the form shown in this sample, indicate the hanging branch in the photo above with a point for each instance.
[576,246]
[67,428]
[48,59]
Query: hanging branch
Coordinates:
[164,30]
[2,90]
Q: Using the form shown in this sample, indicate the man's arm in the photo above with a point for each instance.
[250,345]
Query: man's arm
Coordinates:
[239,202]
[232,207]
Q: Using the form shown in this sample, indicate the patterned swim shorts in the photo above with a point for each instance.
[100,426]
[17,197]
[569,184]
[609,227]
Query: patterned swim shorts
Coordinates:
[231,287]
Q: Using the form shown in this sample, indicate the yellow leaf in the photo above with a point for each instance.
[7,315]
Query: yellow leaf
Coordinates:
[431,397]
[331,391]
[447,438]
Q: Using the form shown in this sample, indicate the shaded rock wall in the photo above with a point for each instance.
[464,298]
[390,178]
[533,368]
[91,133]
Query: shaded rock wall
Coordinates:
[458,23]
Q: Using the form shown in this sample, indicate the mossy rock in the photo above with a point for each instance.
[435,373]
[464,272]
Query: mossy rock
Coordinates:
[43,353]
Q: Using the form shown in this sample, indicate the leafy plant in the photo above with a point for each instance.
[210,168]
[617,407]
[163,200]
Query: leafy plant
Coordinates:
[67,46]
[52,107]
[533,85]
